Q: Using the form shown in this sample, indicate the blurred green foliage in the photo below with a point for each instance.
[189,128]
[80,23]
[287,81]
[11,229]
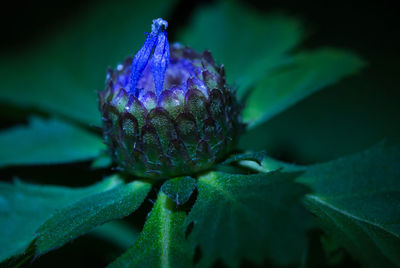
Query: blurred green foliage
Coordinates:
[25,207]
[47,142]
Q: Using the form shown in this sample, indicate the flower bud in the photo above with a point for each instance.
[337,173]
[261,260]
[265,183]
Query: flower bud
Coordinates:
[167,111]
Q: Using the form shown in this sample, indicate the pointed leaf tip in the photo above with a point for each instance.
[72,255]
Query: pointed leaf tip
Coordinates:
[179,189]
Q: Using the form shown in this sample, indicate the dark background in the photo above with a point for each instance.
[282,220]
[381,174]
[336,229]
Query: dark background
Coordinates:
[345,118]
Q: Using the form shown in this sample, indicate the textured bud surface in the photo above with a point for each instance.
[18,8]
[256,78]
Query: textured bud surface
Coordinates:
[168,112]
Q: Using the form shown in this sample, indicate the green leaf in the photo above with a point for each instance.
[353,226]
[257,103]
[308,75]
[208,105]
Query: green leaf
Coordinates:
[269,164]
[248,43]
[179,189]
[102,161]
[253,156]
[251,217]
[305,74]
[61,75]
[357,199]
[24,207]
[162,242]
[47,142]
[81,217]
[119,233]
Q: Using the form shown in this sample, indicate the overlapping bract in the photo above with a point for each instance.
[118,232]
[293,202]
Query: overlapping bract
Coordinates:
[193,123]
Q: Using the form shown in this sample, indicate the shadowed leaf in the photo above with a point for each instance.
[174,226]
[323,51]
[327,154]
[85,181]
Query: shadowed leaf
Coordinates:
[251,217]
[47,142]
[303,75]
[82,216]
[24,207]
[119,233]
[356,200]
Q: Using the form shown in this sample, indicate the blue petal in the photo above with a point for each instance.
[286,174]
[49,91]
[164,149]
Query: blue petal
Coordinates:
[158,41]
[160,61]
[140,61]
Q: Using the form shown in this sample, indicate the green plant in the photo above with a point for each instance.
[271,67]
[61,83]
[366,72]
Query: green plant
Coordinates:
[234,206]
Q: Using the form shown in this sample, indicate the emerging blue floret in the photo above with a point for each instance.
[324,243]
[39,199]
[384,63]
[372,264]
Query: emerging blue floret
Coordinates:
[155,51]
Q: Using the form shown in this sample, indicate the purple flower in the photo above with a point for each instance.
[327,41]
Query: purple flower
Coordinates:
[167,112]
